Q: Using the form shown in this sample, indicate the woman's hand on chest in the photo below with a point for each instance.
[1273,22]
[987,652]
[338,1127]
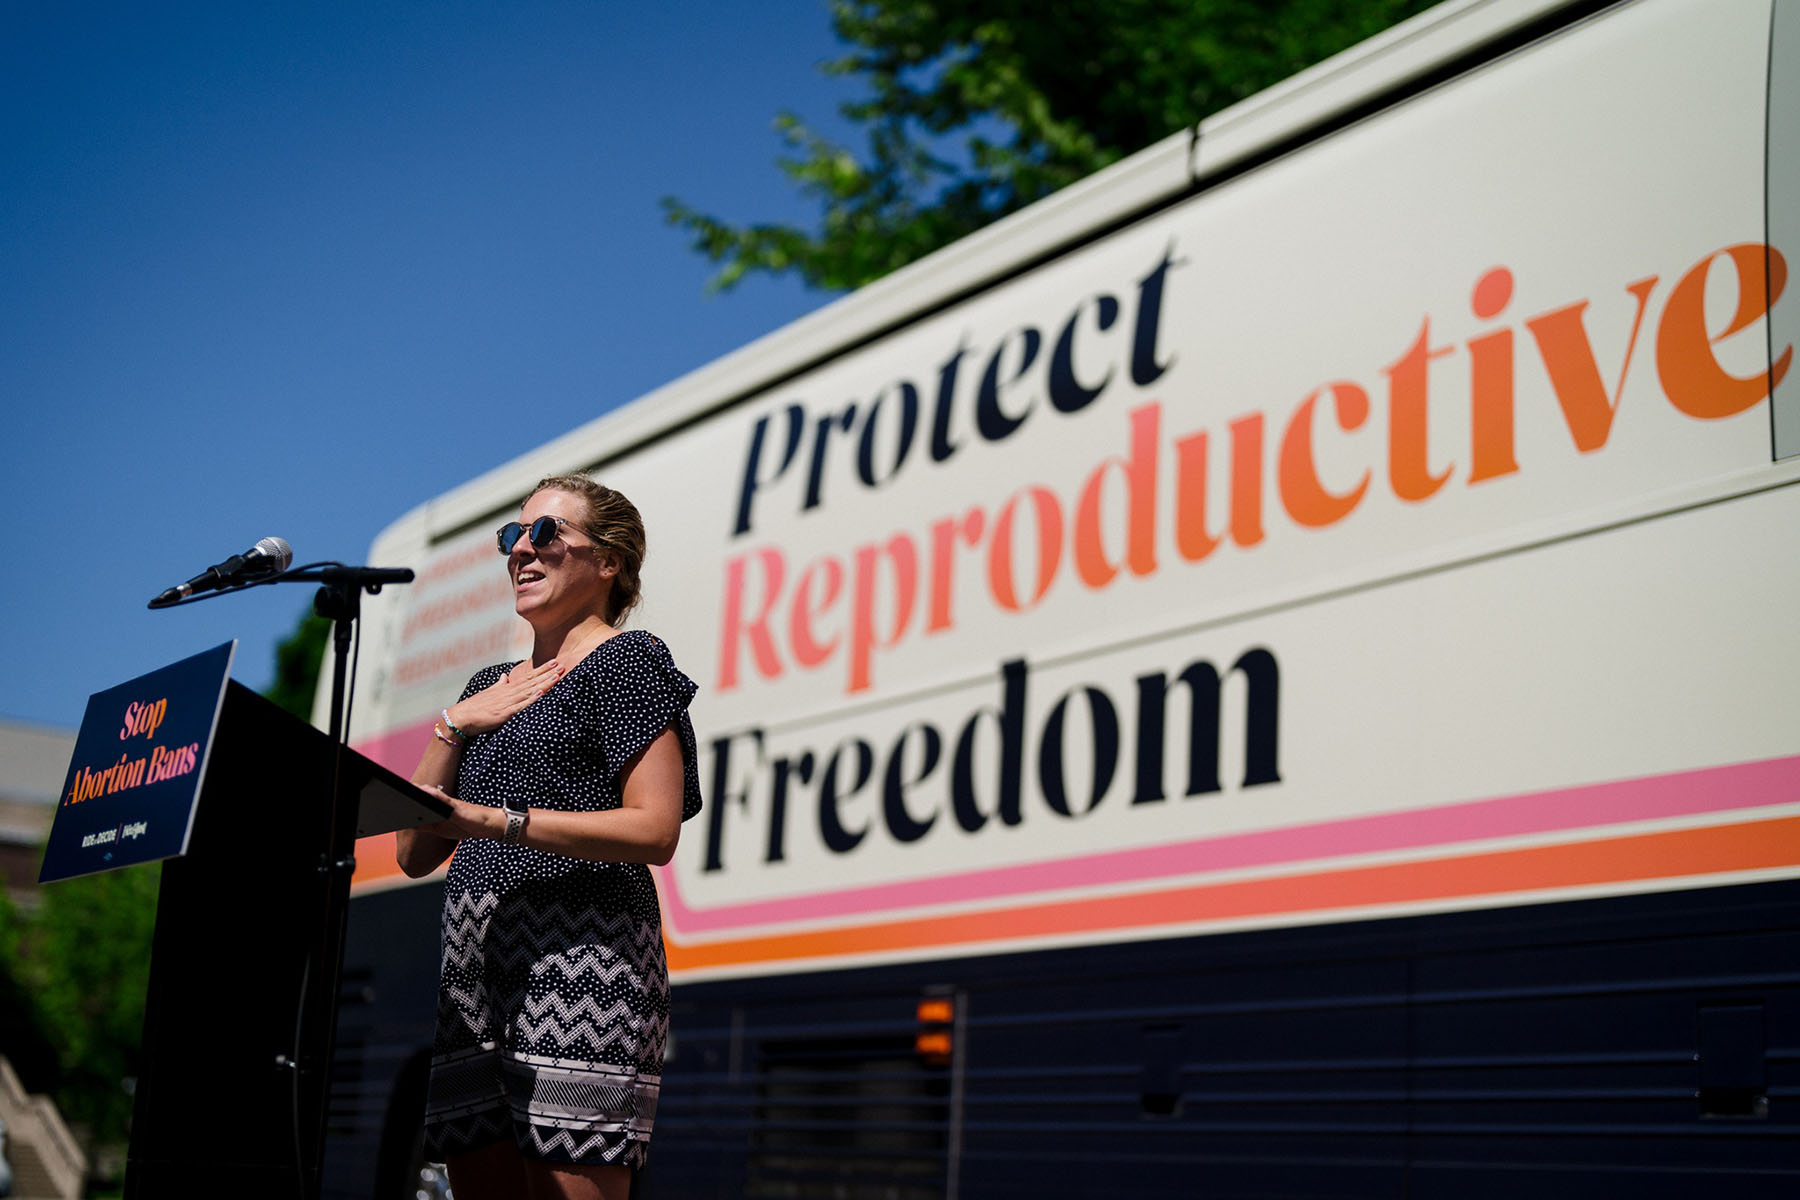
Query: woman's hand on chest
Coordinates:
[491,707]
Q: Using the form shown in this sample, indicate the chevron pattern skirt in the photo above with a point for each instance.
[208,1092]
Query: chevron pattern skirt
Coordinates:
[552,1019]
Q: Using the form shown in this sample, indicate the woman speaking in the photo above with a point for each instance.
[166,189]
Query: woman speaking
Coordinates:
[567,773]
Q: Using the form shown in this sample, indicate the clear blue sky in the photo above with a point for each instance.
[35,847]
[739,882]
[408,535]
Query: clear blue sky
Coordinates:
[293,269]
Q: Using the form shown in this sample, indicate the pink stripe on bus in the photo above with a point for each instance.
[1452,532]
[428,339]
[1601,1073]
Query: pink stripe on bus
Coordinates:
[1740,786]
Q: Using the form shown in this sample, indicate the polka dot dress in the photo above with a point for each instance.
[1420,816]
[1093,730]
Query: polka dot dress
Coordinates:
[553,1004]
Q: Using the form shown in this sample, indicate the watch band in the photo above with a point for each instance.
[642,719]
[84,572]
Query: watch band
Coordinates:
[516,820]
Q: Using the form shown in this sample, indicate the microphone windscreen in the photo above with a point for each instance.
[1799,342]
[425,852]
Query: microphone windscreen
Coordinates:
[277,549]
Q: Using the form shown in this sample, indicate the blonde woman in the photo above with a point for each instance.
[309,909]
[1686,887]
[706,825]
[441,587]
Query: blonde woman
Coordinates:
[568,773]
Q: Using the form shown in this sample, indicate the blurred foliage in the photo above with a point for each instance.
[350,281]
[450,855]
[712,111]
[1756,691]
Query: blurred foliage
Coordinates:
[977,108]
[75,964]
[79,963]
[297,661]
[23,1039]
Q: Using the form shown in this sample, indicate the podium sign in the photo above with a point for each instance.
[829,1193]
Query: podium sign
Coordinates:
[140,760]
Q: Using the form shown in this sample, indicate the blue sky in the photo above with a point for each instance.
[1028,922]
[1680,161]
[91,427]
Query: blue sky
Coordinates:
[294,269]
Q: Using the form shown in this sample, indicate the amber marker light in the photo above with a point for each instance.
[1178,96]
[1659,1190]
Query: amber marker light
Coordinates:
[934,1042]
[937,1010]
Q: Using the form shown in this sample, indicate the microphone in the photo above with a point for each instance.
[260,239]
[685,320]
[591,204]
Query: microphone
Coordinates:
[270,556]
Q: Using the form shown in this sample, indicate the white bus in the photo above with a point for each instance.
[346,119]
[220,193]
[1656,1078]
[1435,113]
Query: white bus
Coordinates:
[1268,673]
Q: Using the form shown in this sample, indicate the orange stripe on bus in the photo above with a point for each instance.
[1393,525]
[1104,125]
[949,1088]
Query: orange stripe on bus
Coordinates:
[1713,850]
[375,859]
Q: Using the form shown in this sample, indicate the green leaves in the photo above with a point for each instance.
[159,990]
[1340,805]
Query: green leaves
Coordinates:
[75,965]
[81,958]
[978,108]
[297,663]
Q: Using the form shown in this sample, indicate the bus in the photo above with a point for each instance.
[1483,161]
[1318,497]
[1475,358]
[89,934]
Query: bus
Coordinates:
[1269,673]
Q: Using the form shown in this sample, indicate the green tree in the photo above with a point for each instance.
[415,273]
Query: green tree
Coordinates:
[82,960]
[74,968]
[297,661]
[23,1038]
[977,108]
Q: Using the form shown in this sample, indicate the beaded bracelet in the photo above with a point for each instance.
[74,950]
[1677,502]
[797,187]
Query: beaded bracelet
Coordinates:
[451,725]
[437,731]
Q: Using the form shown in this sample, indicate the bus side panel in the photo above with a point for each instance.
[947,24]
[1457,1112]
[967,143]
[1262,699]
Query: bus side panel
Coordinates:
[1638,1045]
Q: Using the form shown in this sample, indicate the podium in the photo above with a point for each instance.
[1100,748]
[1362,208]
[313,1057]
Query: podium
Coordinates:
[240,1014]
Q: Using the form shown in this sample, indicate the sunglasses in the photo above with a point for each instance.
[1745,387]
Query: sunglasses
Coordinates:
[540,532]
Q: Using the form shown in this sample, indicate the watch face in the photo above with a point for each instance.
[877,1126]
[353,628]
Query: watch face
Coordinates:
[516,805]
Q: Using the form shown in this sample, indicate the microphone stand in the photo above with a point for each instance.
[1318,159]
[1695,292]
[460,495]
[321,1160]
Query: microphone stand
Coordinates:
[339,599]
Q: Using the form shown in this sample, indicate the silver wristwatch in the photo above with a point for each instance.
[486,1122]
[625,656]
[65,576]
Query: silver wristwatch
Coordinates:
[517,815]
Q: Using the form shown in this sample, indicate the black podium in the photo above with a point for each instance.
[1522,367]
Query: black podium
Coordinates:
[231,1092]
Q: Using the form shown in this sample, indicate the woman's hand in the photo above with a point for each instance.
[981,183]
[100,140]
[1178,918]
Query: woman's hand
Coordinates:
[465,820]
[424,848]
[489,708]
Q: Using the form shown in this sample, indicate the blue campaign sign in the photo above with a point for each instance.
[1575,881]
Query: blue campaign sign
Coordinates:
[140,759]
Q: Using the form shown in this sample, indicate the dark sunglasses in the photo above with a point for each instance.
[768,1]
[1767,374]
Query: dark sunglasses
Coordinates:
[541,533]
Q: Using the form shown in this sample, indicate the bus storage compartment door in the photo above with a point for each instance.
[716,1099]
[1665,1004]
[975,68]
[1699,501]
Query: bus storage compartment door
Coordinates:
[1733,1075]
[1159,1094]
